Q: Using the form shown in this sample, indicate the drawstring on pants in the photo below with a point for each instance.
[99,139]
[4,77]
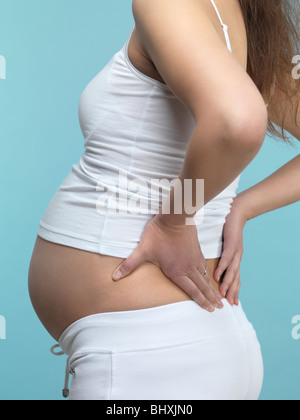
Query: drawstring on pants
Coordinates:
[66,391]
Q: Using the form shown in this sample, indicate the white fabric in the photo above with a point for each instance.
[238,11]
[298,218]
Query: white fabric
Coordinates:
[134,124]
[225,27]
[172,352]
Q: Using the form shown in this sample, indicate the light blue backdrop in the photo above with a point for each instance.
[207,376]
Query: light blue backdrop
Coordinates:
[52,50]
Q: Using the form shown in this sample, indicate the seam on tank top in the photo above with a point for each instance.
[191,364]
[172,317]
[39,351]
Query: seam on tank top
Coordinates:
[139,129]
[133,148]
[101,232]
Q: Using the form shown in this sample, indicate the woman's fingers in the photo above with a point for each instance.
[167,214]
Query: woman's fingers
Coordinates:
[129,265]
[197,294]
[237,292]
[222,267]
[237,283]
[231,282]
[203,284]
[180,258]
[233,292]
[230,274]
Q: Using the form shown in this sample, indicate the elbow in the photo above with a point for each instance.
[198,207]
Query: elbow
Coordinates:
[245,126]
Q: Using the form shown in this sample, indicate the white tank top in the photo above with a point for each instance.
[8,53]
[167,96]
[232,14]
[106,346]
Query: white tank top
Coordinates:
[136,135]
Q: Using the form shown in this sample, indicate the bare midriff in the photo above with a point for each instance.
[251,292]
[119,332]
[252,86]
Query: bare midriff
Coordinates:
[67,284]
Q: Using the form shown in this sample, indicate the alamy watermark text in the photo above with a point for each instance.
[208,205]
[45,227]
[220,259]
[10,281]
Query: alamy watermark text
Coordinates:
[2,328]
[2,67]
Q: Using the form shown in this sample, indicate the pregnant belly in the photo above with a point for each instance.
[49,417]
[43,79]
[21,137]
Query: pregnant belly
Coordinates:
[67,284]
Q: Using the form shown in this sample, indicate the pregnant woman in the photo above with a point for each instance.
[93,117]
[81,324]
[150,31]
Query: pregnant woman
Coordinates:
[183,100]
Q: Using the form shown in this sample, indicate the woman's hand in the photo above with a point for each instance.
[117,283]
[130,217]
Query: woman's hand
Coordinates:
[176,250]
[228,270]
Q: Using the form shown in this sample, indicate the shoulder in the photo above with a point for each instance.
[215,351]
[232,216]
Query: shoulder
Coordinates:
[166,11]
[186,48]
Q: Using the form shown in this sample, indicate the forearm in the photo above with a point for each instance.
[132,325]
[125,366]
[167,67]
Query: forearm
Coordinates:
[279,190]
[216,156]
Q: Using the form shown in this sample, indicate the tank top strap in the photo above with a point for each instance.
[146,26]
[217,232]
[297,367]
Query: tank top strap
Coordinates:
[225,27]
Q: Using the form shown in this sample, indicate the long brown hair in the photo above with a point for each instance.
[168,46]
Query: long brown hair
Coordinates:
[273,39]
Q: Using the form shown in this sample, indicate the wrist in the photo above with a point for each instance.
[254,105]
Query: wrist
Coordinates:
[241,207]
[174,211]
[175,223]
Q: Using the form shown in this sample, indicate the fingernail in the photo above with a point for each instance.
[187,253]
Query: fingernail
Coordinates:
[220,305]
[211,309]
[224,293]
[118,275]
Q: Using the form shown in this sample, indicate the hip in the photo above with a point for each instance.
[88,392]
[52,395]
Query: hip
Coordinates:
[176,351]
[67,284]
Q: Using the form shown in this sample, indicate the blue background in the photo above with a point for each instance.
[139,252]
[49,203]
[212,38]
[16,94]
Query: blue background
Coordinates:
[53,49]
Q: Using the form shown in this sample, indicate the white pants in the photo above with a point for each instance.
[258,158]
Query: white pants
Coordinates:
[172,352]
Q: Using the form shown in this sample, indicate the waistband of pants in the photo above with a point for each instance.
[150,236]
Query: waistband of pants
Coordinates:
[162,326]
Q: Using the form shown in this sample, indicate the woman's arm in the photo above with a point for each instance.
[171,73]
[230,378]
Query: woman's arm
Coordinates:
[229,111]
[230,127]
[279,190]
